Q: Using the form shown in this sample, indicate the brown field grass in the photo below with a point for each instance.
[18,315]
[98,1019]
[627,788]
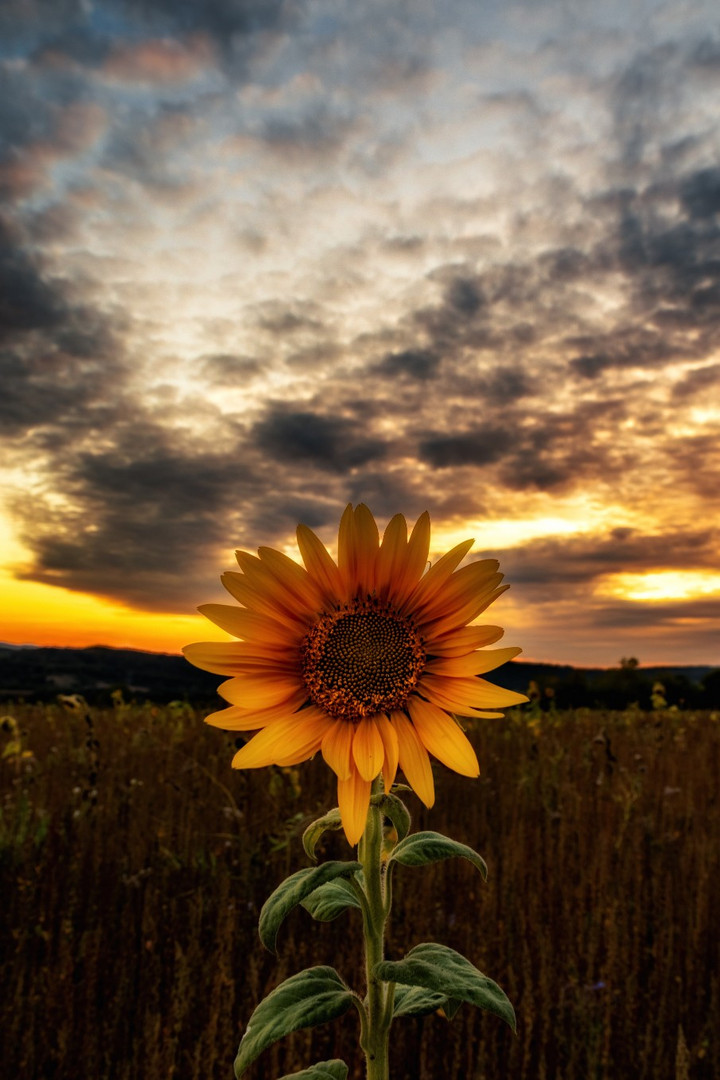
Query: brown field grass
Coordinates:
[134,862]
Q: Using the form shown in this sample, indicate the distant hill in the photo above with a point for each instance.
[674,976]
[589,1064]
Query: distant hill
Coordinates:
[40,674]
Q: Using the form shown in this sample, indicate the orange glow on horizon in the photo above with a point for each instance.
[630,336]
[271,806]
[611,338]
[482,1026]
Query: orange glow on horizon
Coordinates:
[36,614]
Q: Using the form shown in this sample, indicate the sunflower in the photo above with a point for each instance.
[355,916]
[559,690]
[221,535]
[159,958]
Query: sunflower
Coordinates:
[367,660]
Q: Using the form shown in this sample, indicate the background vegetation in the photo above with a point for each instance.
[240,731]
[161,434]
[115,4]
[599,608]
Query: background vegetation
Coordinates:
[133,864]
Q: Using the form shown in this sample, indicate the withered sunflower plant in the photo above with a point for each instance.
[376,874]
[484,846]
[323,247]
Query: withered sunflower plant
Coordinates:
[369,661]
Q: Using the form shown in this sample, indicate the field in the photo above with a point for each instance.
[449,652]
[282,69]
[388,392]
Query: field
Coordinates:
[134,862]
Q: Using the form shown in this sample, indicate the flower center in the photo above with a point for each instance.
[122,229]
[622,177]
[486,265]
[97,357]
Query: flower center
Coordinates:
[361,660]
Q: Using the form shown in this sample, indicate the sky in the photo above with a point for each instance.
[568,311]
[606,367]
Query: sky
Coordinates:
[262,258]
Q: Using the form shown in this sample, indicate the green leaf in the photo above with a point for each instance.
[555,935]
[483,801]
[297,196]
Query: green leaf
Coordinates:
[437,968]
[312,834]
[293,891]
[330,900]
[429,847]
[417,1001]
[396,810]
[311,997]
[324,1070]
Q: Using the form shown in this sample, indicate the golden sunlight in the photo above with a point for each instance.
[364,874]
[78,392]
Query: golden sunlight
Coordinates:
[658,585]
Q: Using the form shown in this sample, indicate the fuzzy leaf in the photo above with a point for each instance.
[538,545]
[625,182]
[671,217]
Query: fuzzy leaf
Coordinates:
[396,810]
[324,1070]
[293,891]
[428,847]
[330,900]
[312,834]
[311,997]
[438,968]
[417,1001]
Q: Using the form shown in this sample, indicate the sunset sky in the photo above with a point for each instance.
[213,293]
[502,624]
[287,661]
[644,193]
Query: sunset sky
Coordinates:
[260,258]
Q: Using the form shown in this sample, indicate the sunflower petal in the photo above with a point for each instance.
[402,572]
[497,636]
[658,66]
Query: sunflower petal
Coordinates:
[245,719]
[476,663]
[434,580]
[319,564]
[366,541]
[346,547]
[463,641]
[465,614]
[261,602]
[368,748]
[388,734]
[459,694]
[353,801]
[337,747]
[246,624]
[253,692]
[391,555]
[416,558]
[442,737]
[413,758]
[293,578]
[298,736]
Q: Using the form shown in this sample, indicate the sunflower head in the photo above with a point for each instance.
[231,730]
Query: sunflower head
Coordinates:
[368,659]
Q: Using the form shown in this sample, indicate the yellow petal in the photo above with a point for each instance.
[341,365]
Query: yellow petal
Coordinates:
[336,747]
[298,737]
[415,560]
[245,624]
[391,555]
[236,718]
[366,541]
[368,748]
[433,582]
[476,663]
[346,548]
[236,658]
[442,737]
[462,641]
[294,579]
[260,602]
[389,737]
[461,587]
[261,693]
[465,614]
[353,801]
[319,564]
[276,584]
[457,695]
[413,757]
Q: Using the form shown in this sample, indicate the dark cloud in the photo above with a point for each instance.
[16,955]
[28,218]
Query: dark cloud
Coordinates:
[27,301]
[465,296]
[698,381]
[580,560]
[700,193]
[414,363]
[330,443]
[483,446]
[142,517]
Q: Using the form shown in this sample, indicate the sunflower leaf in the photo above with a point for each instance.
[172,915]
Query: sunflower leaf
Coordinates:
[444,971]
[293,891]
[323,1070]
[429,847]
[417,1001]
[330,900]
[311,997]
[396,810]
[312,834]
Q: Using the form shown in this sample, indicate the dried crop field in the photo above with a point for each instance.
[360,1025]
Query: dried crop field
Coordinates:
[134,862]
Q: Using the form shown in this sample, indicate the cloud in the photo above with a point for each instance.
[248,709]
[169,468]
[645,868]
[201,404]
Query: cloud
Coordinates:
[335,444]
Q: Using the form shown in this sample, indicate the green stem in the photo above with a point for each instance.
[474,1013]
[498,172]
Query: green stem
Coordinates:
[375,1037]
